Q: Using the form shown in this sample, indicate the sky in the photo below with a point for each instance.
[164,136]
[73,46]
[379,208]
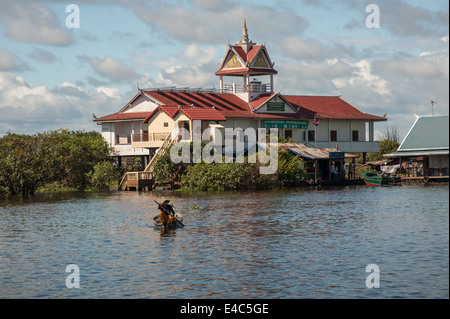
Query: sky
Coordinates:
[56,75]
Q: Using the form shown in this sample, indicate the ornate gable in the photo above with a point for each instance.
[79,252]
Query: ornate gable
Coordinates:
[260,61]
[233,62]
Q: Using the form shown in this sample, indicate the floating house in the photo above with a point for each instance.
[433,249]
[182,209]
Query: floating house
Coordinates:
[245,99]
[423,154]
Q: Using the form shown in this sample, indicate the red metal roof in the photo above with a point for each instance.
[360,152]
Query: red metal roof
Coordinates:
[253,71]
[328,107]
[247,58]
[231,106]
[203,114]
[122,117]
[252,53]
[219,107]
[193,113]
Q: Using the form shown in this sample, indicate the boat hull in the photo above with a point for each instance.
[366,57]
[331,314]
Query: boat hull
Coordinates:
[374,179]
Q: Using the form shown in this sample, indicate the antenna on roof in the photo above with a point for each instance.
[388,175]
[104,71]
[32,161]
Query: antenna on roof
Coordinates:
[432,107]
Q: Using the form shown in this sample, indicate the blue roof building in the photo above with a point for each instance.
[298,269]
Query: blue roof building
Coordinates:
[425,149]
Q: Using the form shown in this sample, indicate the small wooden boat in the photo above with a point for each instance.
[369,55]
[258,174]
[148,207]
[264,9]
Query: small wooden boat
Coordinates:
[175,224]
[375,179]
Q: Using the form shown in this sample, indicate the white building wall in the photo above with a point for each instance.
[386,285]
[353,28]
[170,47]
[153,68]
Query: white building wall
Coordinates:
[141,104]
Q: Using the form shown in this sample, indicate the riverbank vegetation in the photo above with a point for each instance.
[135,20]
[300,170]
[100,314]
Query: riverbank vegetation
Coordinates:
[59,159]
[230,176]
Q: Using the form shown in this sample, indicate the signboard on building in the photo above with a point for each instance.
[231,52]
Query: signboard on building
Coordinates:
[275,106]
[300,124]
[337,155]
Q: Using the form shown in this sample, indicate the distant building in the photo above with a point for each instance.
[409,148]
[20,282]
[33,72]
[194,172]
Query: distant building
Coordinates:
[141,126]
[425,149]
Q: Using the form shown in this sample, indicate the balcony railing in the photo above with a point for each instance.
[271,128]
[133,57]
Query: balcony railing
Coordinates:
[149,137]
[253,87]
[149,140]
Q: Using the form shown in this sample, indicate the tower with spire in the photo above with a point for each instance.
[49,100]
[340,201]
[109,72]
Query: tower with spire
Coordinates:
[248,61]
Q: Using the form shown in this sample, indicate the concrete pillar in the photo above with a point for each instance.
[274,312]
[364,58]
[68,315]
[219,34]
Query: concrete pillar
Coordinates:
[271,83]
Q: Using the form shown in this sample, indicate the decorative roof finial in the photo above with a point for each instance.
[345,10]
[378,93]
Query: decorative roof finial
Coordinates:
[244,32]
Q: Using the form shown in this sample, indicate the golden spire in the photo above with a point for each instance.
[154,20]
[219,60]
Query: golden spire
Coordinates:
[244,32]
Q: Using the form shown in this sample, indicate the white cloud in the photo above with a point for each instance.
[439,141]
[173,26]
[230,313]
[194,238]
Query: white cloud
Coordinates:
[32,22]
[28,109]
[113,93]
[427,66]
[42,55]
[188,76]
[298,47]
[199,54]
[362,77]
[9,61]
[214,22]
[110,68]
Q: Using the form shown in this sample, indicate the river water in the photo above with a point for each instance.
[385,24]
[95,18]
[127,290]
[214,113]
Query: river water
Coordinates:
[298,243]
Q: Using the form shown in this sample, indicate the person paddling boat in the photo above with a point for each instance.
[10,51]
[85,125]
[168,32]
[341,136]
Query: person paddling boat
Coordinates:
[167,214]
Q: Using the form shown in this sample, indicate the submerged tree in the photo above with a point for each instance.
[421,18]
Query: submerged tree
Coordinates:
[31,161]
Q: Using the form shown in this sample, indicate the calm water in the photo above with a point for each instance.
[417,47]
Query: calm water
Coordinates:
[283,244]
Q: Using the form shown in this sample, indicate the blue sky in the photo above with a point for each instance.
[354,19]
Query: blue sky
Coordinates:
[54,77]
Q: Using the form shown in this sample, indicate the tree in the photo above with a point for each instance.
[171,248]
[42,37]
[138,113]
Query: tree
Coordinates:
[386,147]
[31,161]
[80,152]
[390,132]
[167,171]
[103,176]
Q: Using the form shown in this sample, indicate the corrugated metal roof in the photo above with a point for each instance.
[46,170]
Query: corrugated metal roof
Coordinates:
[308,152]
[122,117]
[427,133]
[417,153]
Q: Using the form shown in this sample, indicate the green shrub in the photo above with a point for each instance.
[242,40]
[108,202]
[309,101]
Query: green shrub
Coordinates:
[104,176]
[240,176]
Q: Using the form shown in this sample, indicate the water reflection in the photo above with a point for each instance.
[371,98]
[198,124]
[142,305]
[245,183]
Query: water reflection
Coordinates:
[279,244]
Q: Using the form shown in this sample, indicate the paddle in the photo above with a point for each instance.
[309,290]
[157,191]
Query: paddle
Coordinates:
[167,212]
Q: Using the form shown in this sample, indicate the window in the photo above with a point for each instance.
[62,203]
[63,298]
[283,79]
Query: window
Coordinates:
[355,136]
[333,136]
[123,139]
[311,136]
[166,124]
[288,134]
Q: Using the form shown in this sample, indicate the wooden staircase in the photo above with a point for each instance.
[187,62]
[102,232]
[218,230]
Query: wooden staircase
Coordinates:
[144,179]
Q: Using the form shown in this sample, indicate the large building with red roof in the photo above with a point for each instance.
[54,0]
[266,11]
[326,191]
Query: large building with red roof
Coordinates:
[249,101]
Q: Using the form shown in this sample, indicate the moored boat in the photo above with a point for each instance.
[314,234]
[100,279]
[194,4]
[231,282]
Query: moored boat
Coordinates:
[375,179]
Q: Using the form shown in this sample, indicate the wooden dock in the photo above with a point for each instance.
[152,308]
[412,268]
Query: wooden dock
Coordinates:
[137,181]
[145,180]
[425,179]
